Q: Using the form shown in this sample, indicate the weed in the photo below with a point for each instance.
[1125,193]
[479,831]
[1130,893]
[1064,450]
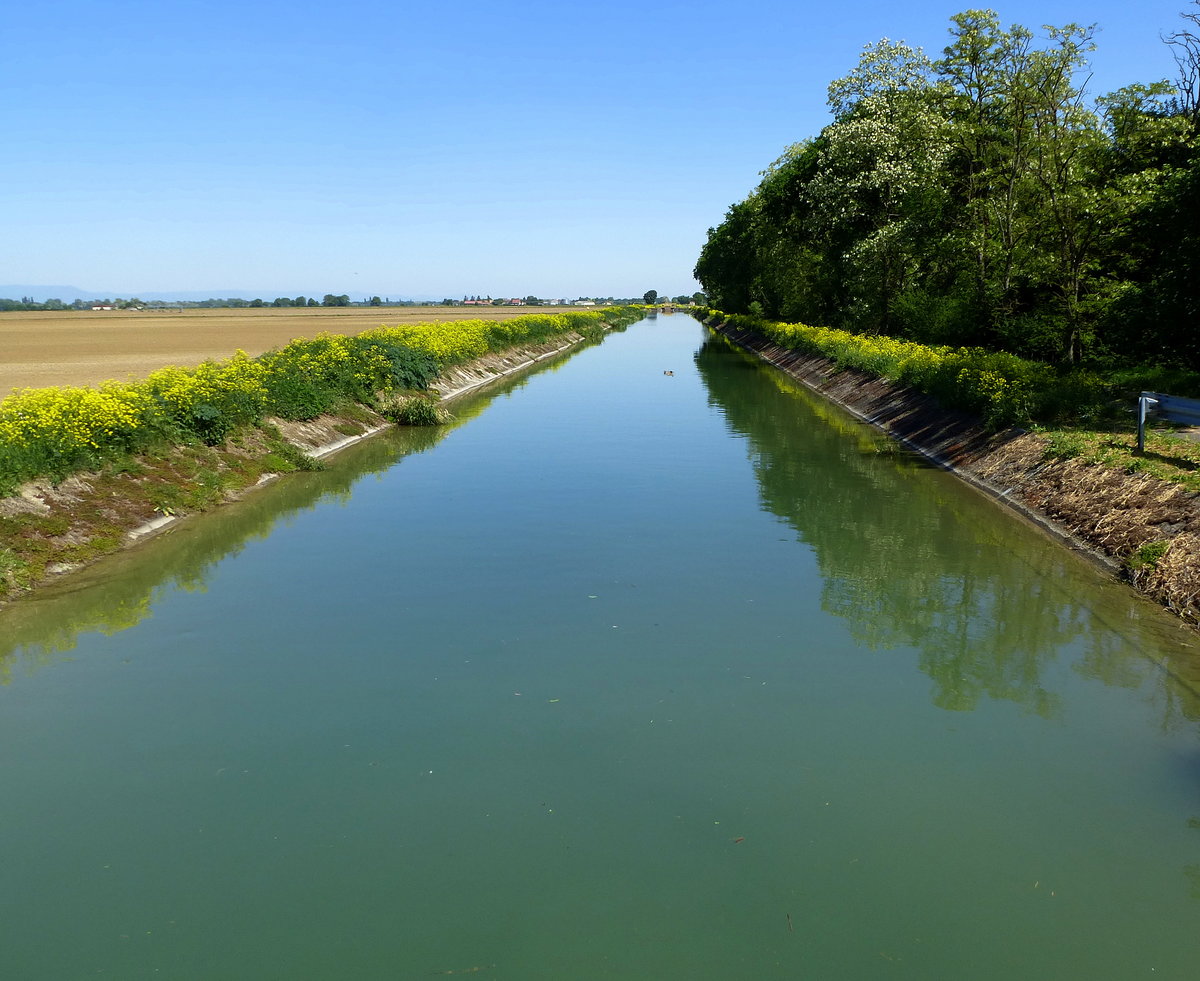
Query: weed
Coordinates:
[416,411]
[103,541]
[21,526]
[1169,455]
[14,571]
[1146,556]
[296,458]
[124,465]
[1064,445]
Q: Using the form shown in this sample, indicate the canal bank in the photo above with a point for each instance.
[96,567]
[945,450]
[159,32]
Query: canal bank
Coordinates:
[50,529]
[1144,529]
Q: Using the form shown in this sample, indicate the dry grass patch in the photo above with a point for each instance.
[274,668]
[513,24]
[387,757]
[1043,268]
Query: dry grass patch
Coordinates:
[1169,571]
[1142,510]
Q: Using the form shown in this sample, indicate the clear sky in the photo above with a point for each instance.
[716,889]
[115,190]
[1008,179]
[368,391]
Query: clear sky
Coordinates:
[429,148]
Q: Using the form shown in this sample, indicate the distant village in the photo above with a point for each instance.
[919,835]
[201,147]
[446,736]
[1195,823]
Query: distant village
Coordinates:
[516,301]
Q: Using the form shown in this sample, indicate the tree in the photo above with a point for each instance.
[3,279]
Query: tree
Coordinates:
[988,103]
[881,177]
[375,302]
[979,199]
[1185,49]
[728,261]
[335,301]
[650,297]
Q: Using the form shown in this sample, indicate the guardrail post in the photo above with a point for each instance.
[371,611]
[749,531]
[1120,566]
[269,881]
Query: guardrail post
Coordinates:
[1144,402]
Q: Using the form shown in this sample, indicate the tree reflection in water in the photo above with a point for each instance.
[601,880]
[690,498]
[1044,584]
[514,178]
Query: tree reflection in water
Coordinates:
[915,560]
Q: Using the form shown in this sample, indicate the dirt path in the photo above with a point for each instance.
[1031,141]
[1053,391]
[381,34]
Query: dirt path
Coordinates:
[40,348]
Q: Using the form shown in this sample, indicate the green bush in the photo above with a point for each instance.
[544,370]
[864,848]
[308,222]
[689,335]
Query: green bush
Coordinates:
[417,410]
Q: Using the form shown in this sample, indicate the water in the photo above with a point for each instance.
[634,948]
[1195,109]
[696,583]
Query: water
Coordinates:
[624,675]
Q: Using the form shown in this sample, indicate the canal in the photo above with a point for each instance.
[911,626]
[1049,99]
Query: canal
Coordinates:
[624,674]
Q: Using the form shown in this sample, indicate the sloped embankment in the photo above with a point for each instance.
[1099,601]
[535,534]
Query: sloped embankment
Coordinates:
[1146,529]
[50,528]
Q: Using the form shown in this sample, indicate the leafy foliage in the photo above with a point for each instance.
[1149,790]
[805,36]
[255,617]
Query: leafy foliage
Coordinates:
[999,387]
[981,200]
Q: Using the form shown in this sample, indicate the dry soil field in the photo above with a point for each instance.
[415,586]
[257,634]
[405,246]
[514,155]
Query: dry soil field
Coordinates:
[87,347]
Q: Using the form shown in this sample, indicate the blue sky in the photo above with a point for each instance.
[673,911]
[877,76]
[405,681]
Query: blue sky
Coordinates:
[429,149]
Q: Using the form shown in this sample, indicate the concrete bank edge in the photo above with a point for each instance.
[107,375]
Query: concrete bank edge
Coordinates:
[457,381]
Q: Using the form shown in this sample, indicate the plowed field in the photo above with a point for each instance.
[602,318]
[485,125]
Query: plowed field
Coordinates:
[86,347]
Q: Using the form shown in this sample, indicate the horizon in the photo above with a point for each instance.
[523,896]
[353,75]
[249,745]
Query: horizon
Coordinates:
[41,293]
[432,152]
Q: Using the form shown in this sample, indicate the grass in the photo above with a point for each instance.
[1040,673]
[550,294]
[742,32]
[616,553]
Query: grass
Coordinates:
[95,517]
[1147,556]
[415,410]
[1169,455]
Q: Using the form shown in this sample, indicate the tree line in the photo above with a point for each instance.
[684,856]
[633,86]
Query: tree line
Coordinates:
[133,303]
[981,199]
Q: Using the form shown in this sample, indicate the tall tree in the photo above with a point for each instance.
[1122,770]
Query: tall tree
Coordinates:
[880,179]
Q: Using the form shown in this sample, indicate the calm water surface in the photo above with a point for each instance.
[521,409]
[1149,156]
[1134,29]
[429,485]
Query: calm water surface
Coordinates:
[625,675]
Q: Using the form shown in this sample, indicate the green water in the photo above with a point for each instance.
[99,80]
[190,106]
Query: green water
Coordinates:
[625,675]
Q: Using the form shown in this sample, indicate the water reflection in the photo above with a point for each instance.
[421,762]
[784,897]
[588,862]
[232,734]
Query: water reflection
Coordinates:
[120,591]
[913,562]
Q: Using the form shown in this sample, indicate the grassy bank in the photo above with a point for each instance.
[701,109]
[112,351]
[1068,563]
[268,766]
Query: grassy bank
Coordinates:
[1080,472]
[1084,413]
[186,439]
[55,432]
[1001,389]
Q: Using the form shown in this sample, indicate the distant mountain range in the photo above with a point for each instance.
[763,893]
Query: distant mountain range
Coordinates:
[69,294]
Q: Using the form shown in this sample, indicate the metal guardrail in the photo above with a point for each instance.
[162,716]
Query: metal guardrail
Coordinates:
[1170,407]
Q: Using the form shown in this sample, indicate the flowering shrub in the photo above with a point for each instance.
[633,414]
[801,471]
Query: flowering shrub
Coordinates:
[52,432]
[1000,388]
